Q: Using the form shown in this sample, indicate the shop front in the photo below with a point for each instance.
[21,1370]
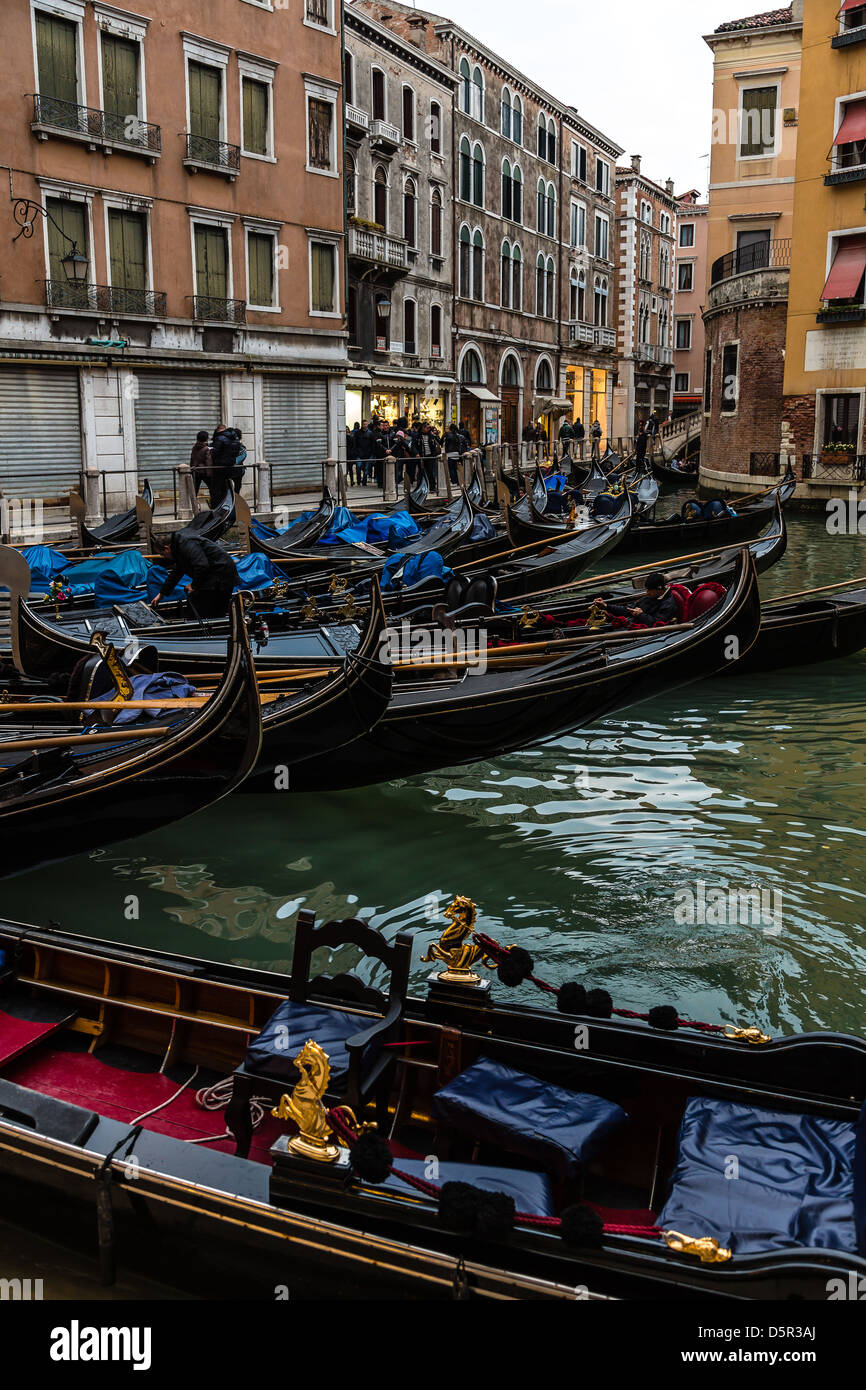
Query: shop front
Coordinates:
[479,412]
[598,398]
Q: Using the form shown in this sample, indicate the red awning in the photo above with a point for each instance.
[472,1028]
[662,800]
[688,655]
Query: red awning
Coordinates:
[851,5]
[853,126]
[847,269]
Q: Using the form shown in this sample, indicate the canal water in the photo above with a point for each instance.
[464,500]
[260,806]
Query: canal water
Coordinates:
[587,851]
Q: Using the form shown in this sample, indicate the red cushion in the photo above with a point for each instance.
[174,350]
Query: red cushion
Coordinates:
[682,596]
[705,597]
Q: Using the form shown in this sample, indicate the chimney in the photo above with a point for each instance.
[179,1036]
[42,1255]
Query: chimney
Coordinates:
[635,163]
[797,11]
[669,187]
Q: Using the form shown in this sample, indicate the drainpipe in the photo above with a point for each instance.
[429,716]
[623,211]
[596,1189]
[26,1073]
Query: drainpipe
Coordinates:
[559,266]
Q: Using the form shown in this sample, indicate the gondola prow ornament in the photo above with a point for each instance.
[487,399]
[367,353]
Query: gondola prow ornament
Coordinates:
[454,950]
[305,1106]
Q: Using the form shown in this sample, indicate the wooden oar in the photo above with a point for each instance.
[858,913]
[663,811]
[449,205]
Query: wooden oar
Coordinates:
[76,706]
[33,745]
[822,589]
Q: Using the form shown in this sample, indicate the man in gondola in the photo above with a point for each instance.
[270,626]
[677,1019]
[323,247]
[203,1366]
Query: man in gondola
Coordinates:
[658,604]
[211,569]
[640,444]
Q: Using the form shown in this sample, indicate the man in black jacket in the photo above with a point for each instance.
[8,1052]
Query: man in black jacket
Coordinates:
[658,604]
[211,569]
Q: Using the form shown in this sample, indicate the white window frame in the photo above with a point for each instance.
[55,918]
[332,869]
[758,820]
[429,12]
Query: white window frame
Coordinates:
[260,227]
[411,177]
[260,5]
[435,304]
[729,414]
[410,299]
[684,227]
[258,70]
[677,325]
[683,390]
[375,67]
[604,219]
[123,202]
[122,26]
[320,28]
[751,86]
[605,182]
[577,207]
[410,140]
[72,193]
[206,217]
[473,88]
[685,265]
[62,9]
[320,90]
[576,146]
[665,223]
[517,105]
[213,55]
[315,237]
[840,111]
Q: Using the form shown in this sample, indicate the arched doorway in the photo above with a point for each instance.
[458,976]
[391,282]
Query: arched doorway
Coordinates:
[510,395]
[471,374]
[544,388]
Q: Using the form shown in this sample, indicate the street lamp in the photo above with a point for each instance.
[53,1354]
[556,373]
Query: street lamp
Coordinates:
[75,263]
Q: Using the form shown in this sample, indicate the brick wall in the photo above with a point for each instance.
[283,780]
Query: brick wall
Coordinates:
[798,426]
[756,424]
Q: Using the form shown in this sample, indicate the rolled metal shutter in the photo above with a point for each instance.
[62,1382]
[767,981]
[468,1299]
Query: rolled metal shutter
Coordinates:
[170,409]
[40,430]
[295,411]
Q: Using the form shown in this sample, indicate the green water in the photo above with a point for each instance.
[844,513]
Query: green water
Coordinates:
[576,850]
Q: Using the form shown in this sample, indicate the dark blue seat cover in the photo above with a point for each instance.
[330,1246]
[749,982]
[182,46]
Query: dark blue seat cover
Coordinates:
[794,1183]
[559,1129]
[531,1191]
[288,1029]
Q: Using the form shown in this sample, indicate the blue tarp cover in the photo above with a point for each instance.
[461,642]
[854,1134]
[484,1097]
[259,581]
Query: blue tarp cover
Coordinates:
[417,567]
[149,687]
[254,572]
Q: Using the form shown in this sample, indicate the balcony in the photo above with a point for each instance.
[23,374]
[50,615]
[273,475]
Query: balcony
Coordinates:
[212,156]
[357,124]
[851,169]
[653,352]
[841,313]
[763,255]
[591,335]
[377,248]
[113,301]
[856,34]
[98,129]
[386,138]
[207,308]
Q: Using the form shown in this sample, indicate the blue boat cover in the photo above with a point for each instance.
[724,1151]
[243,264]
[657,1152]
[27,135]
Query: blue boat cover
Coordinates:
[45,564]
[268,533]
[342,520]
[149,687]
[414,568]
[556,482]
[379,528]
[531,1191]
[122,579]
[482,528]
[288,1029]
[792,1186]
[558,1128]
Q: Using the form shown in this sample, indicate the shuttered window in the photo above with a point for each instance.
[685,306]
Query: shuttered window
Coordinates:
[72,218]
[170,409]
[758,121]
[57,57]
[260,250]
[211,262]
[323,277]
[204,101]
[40,430]
[119,76]
[320,119]
[127,246]
[256,116]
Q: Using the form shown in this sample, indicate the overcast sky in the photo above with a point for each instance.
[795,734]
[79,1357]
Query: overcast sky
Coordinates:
[639,70]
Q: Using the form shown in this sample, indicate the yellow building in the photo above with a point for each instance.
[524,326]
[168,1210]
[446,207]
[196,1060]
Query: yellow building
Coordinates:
[825,358]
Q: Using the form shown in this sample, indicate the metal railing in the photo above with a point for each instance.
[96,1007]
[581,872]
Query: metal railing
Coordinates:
[593,335]
[765,465]
[216,154]
[209,308]
[851,468]
[106,299]
[93,124]
[761,255]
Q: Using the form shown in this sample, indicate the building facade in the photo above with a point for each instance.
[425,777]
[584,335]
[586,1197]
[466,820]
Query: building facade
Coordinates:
[532,230]
[198,175]
[399,226]
[690,290]
[824,421]
[646,231]
[756,97]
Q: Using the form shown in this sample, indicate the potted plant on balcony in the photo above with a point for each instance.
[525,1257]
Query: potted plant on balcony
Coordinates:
[837,453]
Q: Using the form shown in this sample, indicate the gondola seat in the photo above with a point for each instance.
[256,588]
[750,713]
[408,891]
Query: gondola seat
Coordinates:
[531,1191]
[760,1180]
[695,603]
[559,1129]
[361,1066]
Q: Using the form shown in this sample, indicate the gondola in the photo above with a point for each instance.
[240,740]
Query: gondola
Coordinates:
[277,545]
[115,530]
[676,533]
[667,472]
[584,1117]
[465,711]
[806,630]
[64,791]
[530,520]
[211,525]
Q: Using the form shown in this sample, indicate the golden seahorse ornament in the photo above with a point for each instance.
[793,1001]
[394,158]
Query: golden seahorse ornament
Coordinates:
[453,948]
[305,1107]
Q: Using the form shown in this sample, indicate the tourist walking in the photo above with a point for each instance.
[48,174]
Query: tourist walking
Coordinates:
[200,463]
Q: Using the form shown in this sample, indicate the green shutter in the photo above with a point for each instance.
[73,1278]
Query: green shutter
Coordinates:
[72,218]
[119,76]
[56,53]
[323,278]
[261,259]
[255,116]
[127,245]
[211,262]
[204,101]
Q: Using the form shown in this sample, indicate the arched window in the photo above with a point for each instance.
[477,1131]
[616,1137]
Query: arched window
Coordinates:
[435,331]
[551,141]
[435,127]
[506,188]
[505,276]
[477,94]
[465,170]
[478,267]
[510,371]
[478,176]
[601,297]
[465,87]
[517,121]
[541,208]
[470,368]
[551,210]
[351,192]
[551,286]
[348,78]
[572,295]
[379,107]
[505,113]
[516,279]
[465,263]
[543,376]
[539,286]
[410,212]
[436,223]
[380,197]
[408,114]
[542,137]
[577,295]
[409,325]
[516,195]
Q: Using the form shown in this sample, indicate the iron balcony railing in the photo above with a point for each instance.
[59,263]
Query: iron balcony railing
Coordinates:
[765,465]
[850,468]
[102,127]
[209,308]
[216,154]
[761,255]
[106,299]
